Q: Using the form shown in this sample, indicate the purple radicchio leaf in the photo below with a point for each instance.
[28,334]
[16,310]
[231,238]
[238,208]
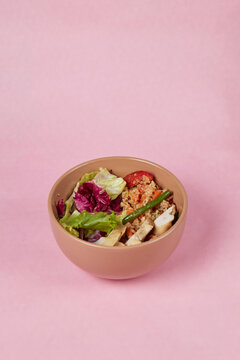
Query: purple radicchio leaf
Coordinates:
[91,197]
[115,205]
[61,207]
[82,203]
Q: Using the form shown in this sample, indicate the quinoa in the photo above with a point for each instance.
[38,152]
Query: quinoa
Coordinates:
[137,196]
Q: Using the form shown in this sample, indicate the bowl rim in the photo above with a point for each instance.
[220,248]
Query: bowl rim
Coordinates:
[118,248]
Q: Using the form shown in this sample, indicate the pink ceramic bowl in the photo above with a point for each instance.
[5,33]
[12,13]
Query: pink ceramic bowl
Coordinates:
[118,262]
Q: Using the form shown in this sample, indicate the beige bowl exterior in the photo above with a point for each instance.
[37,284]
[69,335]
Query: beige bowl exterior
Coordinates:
[118,262]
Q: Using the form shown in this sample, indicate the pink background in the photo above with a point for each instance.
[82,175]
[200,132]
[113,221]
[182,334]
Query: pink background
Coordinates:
[153,79]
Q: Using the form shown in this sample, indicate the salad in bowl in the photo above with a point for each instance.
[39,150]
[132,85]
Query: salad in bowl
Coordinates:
[109,210]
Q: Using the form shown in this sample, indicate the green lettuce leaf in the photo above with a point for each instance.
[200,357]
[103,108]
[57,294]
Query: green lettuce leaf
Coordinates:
[87,177]
[69,202]
[70,229]
[99,221]
[111,183]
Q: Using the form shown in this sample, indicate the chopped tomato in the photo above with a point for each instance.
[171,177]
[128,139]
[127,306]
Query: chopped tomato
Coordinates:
[156,194]
[136,177]
[129,211]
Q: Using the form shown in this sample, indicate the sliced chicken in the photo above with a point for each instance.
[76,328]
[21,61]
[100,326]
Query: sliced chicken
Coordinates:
[114,236]
[119,243]
[164,221]
[139,235]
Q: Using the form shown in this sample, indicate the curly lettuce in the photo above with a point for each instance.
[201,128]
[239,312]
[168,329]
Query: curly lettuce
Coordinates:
[70,229]
[112,184]
[89,221]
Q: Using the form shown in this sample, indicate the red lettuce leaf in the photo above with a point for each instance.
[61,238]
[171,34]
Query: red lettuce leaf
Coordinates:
[61,207]
[92,198]
[82,203]
[115,204]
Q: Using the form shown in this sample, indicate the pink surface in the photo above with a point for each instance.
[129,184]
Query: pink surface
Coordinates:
[153,79]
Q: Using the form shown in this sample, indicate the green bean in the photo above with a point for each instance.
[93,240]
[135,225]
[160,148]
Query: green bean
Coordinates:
[146,207]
